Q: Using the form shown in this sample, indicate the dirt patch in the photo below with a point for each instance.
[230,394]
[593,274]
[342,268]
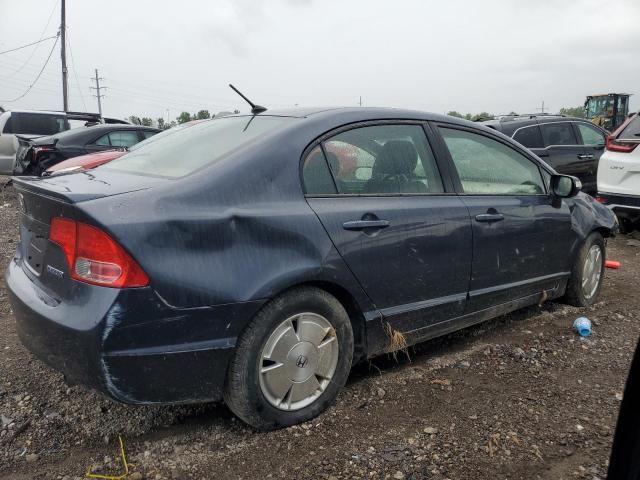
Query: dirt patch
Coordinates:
[517,397]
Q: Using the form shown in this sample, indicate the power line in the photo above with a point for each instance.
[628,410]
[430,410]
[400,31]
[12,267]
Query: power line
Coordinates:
[40,73]
[28,45]
[75,73]
[35,49]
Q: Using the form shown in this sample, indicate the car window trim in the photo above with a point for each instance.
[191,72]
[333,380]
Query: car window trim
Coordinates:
[489,134]
[370,123]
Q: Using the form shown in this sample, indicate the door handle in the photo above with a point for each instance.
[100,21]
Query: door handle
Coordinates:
[489,217]
[363,224]
[585,156]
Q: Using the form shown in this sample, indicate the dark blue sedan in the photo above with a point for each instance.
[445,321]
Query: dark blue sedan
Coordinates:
[256,258]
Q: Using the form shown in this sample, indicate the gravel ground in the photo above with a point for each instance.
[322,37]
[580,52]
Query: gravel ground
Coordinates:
[519,397]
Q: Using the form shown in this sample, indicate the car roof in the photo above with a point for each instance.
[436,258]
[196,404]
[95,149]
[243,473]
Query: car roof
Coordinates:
[363,113]
[509,124]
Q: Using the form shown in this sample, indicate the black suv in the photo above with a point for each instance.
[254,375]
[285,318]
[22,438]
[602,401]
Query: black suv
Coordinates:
[572,146]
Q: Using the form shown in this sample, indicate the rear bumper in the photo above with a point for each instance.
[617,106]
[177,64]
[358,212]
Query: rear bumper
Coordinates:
[621,203]
[128,344]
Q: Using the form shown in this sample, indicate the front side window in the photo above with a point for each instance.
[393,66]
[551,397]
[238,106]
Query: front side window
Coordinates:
[590,135]
[530,137]
[382,160]
[488,167]
[148,133]
[560,133]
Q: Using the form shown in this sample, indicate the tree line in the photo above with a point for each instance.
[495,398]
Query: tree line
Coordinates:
[184,117]
[477,117]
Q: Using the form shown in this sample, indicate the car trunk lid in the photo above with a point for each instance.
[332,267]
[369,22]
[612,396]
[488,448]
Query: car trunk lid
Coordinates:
[42,199]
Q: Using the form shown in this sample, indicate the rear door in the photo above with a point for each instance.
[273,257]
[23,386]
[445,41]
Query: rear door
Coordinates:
[520,241]
[564,153]
[397,223]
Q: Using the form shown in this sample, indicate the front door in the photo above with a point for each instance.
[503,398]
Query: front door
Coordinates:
[592,142]
[406,239]
[520,239]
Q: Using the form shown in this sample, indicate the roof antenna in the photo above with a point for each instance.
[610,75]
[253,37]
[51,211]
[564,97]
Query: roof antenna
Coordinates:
[255,109]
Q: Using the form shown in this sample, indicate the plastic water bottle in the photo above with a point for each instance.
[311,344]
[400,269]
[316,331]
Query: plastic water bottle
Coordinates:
[582,326]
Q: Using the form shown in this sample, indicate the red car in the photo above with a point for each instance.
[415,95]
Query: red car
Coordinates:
[84,162]
[93,160]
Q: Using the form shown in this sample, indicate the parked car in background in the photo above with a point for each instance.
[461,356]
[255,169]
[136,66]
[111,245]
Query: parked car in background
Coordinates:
[37,155]
[619,173]
[29,124]
[572,146]
[93,160]
[239,259]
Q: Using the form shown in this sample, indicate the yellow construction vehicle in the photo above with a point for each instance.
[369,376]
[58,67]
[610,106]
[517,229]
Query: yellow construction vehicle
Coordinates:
[607,110]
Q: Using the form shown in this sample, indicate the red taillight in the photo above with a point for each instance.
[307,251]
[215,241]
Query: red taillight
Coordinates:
[613,145]
[94,257]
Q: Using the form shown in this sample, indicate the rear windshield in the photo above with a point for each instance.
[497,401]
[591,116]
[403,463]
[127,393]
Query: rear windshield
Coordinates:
[191,148]
[632,130]
[35,123]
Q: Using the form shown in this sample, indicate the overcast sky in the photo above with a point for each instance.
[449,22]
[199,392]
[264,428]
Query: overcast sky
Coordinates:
[159,58]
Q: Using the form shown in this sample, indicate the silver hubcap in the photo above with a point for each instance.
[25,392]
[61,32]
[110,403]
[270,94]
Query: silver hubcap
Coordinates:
[298,361]
[591,271]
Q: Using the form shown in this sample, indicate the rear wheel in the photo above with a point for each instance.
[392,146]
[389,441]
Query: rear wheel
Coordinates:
[587,273]
[291,361]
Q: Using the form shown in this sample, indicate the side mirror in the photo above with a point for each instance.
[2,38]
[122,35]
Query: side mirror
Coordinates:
[565,186]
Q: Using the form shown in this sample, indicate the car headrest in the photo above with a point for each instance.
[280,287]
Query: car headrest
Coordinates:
[397,157]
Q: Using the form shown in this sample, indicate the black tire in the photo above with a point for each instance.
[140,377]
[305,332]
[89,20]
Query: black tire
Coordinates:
[574,294]
[243,393]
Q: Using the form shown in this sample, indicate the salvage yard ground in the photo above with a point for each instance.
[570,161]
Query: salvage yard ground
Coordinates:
[519,397]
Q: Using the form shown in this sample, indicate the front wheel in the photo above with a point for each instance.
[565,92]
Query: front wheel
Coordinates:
[291,361]
[587,272]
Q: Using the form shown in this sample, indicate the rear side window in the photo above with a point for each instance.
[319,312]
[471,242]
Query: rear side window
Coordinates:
[35,123]
[530,137]
[488,167]
[559,133]
[632,130]
[381,160]
[316,175]
[192,148]
[590,135]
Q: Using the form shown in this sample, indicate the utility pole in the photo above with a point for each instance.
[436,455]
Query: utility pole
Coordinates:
[360,100]
[98,95]
[542,109]
[63,55]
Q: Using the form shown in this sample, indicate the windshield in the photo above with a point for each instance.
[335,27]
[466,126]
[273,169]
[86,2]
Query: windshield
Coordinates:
[182,152]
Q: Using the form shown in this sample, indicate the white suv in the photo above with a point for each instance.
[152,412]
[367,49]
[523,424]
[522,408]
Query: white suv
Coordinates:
[28,124]
[619,172]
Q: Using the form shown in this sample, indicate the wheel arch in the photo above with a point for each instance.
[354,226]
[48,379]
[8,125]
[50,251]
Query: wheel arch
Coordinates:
[348,300]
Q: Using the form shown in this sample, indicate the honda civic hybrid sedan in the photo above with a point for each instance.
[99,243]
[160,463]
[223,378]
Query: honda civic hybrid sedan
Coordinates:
[256,258]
